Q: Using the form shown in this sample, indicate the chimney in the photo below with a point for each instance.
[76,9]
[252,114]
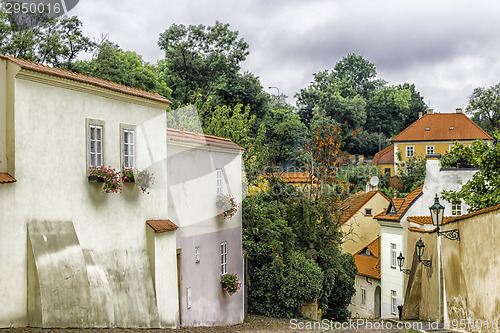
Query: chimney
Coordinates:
[430,111]
[420,115]
[395,194]
[459,110]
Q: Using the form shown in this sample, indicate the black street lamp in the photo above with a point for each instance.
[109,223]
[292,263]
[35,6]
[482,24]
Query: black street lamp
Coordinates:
[437,215]
[419,248]
[401,262]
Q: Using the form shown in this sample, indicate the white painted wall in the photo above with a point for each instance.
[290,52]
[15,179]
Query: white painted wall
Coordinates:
[51,170]
[367,310]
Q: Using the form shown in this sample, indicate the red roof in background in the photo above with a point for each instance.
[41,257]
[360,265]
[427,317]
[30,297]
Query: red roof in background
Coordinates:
[6,178]
[369,265]
[292,177]
[160,226]
[448,219]
[400,206]
[354,203]
[439,125]
[85,79]
[386,155]
[201,139]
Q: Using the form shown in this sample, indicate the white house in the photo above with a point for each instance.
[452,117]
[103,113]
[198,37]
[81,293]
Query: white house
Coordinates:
[404,213]
[200,167]
[70,254]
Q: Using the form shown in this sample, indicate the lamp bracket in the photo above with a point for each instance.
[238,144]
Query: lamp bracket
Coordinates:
[405,271]
[451,234]
[427,263]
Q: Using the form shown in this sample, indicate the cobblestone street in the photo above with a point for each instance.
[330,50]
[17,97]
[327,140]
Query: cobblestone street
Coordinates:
[253,324]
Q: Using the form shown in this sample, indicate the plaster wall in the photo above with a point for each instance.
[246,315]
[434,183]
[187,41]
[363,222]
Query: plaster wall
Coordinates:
[3,114]
[367,310]
[51,169]
[360,230]
[391,277]
[192,196]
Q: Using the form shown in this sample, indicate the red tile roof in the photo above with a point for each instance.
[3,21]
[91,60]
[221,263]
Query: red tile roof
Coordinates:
[399,206]
[369,265]
[386,155]
[6,178]
[85,79]
[160,226]
[201,139]
[292,177]
[442,127]
[354,203]
[448,219]
[421,230]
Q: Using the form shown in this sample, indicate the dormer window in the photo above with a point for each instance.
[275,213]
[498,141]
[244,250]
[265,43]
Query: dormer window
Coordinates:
[452,128]
[427,128]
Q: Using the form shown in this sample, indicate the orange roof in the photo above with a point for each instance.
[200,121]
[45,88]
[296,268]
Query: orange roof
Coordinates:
[292,177]
[354,203]
[369,264]
[85,79]
[421,230]
[202,139]
[160,226]
[399,206]
[386,155]
[6,178]
[442,127]
[448,219]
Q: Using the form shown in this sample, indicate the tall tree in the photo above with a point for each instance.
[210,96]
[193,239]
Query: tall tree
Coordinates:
[484,104]
[56,42]
[198,58]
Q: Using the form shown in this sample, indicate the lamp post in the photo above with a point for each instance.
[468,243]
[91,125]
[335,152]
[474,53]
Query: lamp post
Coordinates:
[279,95]
[419,248]
[437,215]
[401,262]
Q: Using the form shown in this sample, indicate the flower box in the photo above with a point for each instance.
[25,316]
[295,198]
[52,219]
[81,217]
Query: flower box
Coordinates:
[227,205]
[95,179]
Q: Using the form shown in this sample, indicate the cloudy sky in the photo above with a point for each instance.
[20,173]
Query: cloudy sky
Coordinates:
[445,47]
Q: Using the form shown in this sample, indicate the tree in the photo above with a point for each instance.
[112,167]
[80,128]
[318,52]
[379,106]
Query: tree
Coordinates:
[111,63]
[484,104]
[56,41]
[416,104]
[483,190]
[198,58]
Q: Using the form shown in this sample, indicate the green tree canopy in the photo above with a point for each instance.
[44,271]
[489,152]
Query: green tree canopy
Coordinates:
[484,104]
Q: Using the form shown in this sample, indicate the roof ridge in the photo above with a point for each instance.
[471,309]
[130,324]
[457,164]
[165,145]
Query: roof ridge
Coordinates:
[64,73]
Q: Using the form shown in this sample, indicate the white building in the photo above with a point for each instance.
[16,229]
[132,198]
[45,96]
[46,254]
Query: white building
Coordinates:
[70,254]
[200,167]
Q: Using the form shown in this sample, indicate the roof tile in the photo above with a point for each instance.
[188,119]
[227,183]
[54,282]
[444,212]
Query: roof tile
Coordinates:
[369,265]
[6,178]
[85,79]
[442,127]
[401,206]
[201,139]
[386,155]
[160,226]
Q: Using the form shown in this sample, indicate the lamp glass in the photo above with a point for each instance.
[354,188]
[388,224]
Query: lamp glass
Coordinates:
[420,246]
[401,259]
[437,212]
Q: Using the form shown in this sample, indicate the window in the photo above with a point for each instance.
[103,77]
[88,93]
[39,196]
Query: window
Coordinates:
[456,208]
[410,151]
[394,304]
[393,255]
[128,148]
[219,181]
[368,211]
[429,150]
[223,258]
[363,296]
[450,148]
[387,171]
[95,145]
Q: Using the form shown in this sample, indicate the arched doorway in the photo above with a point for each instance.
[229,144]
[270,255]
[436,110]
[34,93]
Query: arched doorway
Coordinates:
[377,301]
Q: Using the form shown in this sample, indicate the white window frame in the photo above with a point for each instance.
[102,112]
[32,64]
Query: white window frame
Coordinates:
[223,258]
[429,150]
[219,180]
[363,296]
[393,255]
[128,147]
[456,208]
[410,151]
[95,143]
[394,304]
[450,147]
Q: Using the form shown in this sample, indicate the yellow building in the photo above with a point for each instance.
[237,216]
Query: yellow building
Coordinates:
[358,225]
[433,133]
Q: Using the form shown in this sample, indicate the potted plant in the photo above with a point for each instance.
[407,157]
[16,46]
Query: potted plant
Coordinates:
[230,283]
[113,182]
[227,205]
[128,175]
[143,179]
